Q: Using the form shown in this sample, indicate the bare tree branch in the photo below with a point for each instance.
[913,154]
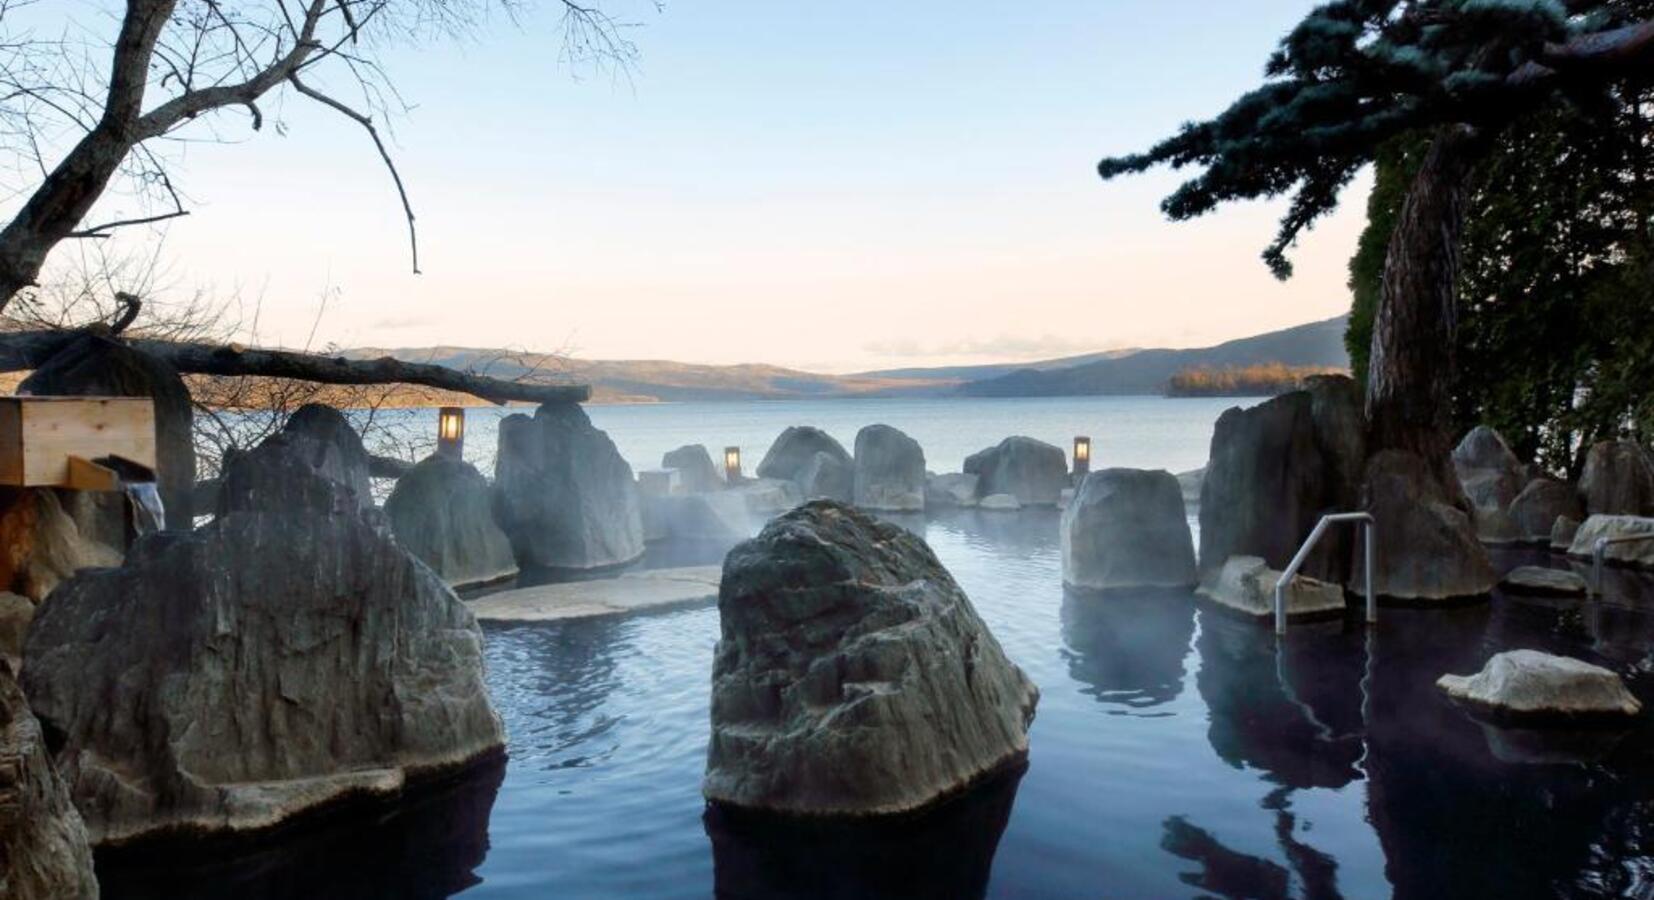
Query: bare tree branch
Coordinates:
[23,350]
[384,154]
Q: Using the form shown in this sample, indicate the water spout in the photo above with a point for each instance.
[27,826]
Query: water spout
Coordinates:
[138,484]
[148,515]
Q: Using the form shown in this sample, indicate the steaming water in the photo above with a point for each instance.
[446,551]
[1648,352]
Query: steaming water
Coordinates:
[1138,432]
[1176,752]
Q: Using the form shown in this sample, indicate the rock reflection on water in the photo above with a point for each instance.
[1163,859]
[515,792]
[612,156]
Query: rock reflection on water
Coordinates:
[944,853]
[428,846]
[1128,647]
[1291,707]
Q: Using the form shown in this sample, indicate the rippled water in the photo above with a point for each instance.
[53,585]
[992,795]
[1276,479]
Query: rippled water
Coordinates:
[1176,753]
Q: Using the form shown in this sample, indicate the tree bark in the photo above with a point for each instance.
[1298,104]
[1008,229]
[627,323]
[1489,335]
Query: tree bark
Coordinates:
[67,194]
[1410,373]
[22,350]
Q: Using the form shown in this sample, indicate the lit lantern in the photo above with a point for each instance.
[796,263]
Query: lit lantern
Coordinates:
[1082,455]
[450,432]
[732,463]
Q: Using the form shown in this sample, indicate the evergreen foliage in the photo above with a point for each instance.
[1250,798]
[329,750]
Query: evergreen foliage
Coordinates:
[1556,332]
[1356,74]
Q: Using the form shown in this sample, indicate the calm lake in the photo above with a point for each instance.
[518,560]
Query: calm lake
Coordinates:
[1176,752]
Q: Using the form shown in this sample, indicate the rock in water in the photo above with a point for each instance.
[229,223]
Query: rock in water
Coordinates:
[441,512]
[1427,547]
[795,448]
[999,503]
[269,664]
[722,517]
[1032,471]
[44,854]
[1543,581]
[1562,534]
[826,477]
[852,675]
[1246,584]
[316,463]
[1126,528]
[1540,504]
[1489,472]
[952,489]
[98,366]
[563,494]
[1527,684]
[1495,526]
[1275,470]
[890,470]
[698,473]
[1618,480]
[1630,540]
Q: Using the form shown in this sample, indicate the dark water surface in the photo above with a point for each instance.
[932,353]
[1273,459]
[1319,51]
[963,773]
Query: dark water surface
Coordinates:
[1176,753]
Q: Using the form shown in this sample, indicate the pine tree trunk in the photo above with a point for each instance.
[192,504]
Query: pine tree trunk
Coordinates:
[1410,373]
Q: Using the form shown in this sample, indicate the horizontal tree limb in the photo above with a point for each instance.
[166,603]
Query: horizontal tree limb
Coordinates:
[22,350]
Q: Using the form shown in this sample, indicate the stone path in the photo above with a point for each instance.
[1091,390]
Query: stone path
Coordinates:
[645,591]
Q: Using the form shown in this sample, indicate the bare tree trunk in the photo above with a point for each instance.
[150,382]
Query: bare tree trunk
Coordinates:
[22,350]
[1410,374]
[55,209]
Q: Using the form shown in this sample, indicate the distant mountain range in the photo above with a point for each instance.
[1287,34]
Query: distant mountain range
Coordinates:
[1116,372]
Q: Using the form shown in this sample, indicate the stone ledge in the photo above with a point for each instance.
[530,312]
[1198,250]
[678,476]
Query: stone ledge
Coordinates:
[652,590]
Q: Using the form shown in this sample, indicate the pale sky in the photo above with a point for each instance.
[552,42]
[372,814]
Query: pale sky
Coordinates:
[836,187]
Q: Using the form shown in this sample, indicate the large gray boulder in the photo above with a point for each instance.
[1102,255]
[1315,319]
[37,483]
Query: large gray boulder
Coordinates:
[316,463]
[1126,528]
[1489,472]
[1618,480]
[852,675]
[1275,469]
[1495,526]
[1562,534]
[768,497]
[1630,540]
[563,494]
[1530,685]
[1246,585]
[1033,472]
[952,489]
[442,513]
[44,853]
[826,477]
[1427,546]
[92,365]
[1540,504]
[795,449]
[890,470]
[269,664]
[697,472]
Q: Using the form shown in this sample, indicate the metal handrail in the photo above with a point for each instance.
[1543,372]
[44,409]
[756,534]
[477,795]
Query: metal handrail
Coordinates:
[1599,554]
[1370,546]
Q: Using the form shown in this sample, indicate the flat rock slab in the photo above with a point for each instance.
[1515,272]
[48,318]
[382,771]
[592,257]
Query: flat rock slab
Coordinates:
[1530,685]
[633,592]
[1540,580]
